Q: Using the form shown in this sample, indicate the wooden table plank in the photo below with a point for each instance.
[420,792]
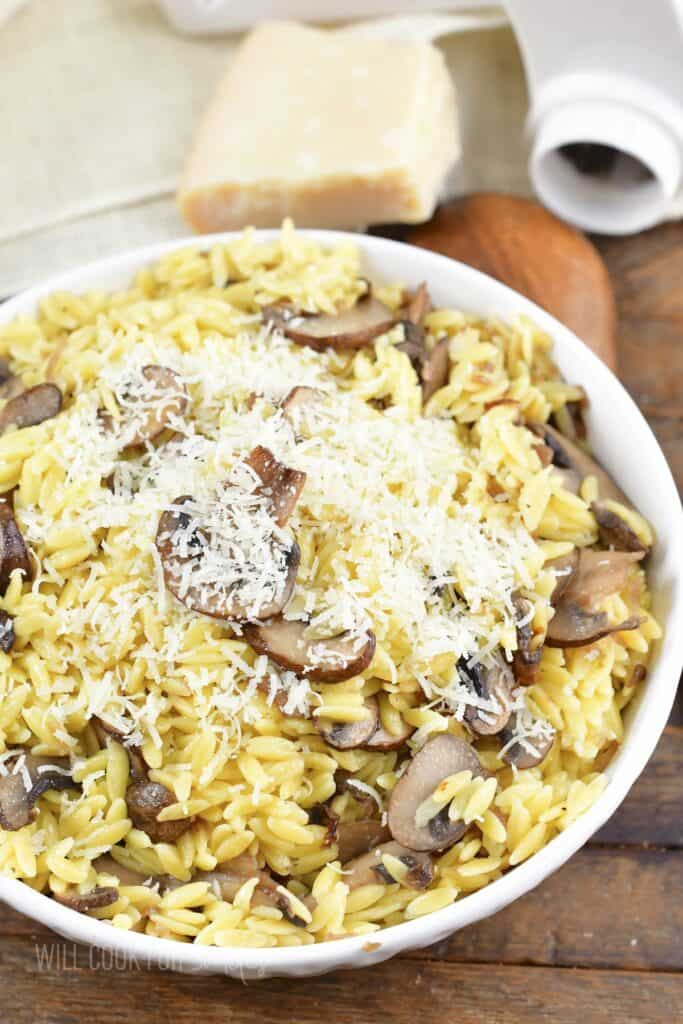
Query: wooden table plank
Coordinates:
[598,911]
[85,988]
[646,271]
[653,811]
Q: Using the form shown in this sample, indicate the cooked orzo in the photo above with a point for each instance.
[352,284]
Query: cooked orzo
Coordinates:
[316,614]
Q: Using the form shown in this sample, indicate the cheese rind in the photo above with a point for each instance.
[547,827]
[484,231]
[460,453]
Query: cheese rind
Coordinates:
[324,127]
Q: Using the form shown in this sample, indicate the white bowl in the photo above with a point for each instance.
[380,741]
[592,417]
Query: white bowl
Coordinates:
[627,447]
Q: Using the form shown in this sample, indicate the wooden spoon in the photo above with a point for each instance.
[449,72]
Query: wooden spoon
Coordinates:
[521,244]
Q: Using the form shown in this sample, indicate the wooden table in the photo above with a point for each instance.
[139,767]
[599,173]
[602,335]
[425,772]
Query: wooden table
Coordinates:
[601,942]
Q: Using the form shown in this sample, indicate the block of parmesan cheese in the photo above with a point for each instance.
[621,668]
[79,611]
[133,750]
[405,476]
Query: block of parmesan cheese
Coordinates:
[325,127]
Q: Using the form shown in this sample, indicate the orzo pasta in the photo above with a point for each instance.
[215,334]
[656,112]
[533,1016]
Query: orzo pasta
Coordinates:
[315,614]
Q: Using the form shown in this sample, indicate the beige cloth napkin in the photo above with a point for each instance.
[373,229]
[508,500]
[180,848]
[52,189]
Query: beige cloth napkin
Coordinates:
[98,103]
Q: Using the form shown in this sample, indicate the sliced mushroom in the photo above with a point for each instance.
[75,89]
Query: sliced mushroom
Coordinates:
[435,370]
[489,684]
[605,755]
[31,407]
[106,865]
[369,869]
[598,574]
[575,464]
[153,412]
[346,783]
[431,367]
[7,636]
[544,452]
[564,568]
[100,896]
[384,740]
[525,748]
[614,531]
[441,756]
[348,735]
[145,799]
[569,419]
[419,305]
[298,401]
[356,837]
[183,549]
[322,814]
[413,346]
[527,658]
[11,385]
[280,484]
[325,661]
[29,777]
[104,731]
[226,880]
[13,551]
[349,329]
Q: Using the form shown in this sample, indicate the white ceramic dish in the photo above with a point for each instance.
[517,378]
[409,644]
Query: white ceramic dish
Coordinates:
[624,443]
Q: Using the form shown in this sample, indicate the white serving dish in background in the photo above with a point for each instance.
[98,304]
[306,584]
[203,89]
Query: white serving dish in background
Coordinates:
[623,442]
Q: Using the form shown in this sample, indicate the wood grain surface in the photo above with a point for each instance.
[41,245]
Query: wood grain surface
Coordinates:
[601,942]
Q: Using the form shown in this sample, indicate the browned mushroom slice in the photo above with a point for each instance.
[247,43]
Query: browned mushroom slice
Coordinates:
[492,686]
[544,452]
[569,419]
[7,637]
[348,735]
[31,407]
[280,484]
[441,756]
[163,398]
[105,731]
[100,896]
[435,370]
[322,814]
[29,777]
[598,574]
[13,550]
[527,658]
[106,865]
[190,575]
[351,328]
[525,747]
[298,401]
[227,879]
[419,305]
[564,569]
[384,740]
[568,455]
[11,385]
[145,799]
[614,531]
[356,837]
[431,367]
[325,661]
[346,783]
[575,464]
[369,869]
[573,626]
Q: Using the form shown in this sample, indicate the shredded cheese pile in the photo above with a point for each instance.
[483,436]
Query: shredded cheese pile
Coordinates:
[391,538]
